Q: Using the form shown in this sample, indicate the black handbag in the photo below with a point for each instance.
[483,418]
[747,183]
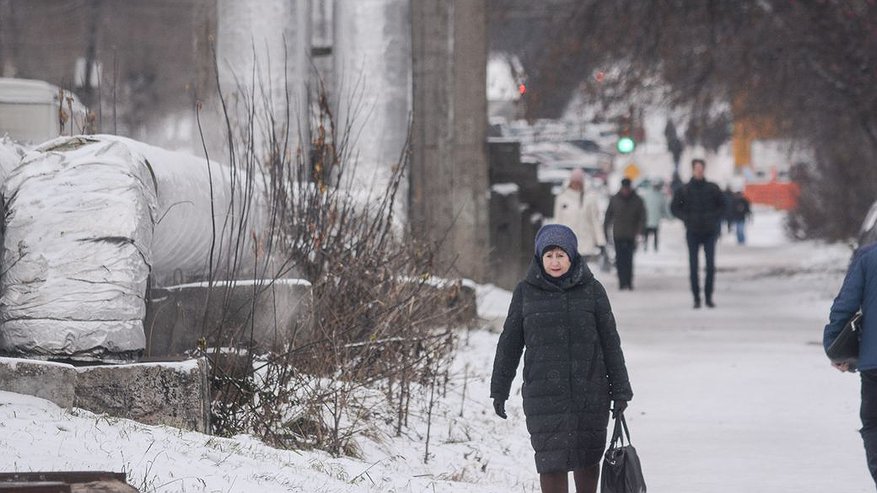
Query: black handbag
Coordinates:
[622,471]
[845,347]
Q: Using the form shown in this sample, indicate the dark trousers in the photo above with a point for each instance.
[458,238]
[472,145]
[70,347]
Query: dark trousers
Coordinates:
[741,232]
[868,413]
[708,242]
[624,262]
[646,233]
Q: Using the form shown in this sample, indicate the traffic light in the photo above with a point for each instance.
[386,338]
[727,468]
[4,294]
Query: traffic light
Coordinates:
[625,144]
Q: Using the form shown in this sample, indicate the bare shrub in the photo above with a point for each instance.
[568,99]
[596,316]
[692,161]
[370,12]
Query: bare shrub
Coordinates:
[379,327]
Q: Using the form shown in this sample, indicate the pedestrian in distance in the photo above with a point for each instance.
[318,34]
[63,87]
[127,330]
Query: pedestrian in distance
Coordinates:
[561,320]
[859,293]
[626,218]
[657,208]
[580,210]
[740,213]
[700,204]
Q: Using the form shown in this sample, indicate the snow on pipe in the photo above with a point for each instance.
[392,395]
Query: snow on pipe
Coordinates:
[10,155]
[87,219]
[372,49]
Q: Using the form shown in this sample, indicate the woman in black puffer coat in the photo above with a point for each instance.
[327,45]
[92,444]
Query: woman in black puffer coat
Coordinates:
[573,365]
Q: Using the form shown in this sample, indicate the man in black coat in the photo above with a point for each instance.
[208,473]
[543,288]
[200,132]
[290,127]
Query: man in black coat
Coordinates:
[700,204]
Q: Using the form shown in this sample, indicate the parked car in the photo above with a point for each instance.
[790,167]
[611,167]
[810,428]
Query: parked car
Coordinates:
[557,160]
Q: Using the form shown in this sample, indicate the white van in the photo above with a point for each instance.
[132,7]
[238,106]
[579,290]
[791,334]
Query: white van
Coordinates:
[31,111]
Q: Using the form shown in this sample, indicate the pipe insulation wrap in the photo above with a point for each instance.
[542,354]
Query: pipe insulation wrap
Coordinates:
[90,218]
[76,251]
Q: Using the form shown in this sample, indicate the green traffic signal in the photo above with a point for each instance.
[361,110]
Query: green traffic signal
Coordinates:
[625,145]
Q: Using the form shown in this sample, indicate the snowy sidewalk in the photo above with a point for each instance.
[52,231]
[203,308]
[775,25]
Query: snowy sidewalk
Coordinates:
[741,397]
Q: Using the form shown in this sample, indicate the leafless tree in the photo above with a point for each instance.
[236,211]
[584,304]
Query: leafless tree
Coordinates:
[805,68]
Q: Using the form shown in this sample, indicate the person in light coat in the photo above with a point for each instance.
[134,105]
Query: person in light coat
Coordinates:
[657,208]
[579,210]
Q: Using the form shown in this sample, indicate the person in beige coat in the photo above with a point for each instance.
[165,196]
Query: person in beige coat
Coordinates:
[580,211]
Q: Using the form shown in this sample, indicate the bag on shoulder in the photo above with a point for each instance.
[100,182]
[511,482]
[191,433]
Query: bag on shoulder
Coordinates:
[845,347]
[622,471]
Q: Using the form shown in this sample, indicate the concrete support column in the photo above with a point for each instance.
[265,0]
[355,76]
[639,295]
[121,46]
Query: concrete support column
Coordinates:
[449,179]
[263,48]
[372,71]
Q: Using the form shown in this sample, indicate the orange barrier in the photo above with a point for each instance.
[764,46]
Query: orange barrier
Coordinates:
[781,195]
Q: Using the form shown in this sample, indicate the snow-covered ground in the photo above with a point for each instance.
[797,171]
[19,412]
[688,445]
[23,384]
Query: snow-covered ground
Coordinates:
[737,398]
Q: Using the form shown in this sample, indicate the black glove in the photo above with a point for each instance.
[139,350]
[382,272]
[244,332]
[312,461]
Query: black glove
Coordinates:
[499,408]
[618,407]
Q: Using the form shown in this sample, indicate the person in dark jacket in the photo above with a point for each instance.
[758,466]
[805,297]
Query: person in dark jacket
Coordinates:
[573,364]
[626,217]
[740,213]
[700,204]
[859,292]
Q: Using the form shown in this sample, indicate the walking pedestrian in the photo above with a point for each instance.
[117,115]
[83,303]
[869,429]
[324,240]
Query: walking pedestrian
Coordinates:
[657,208]
[700,204]
[740,213]
[573,365]
[859,293]
[580,210]
[626,217]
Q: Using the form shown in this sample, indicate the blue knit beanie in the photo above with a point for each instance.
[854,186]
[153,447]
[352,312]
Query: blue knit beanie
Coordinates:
[557,235]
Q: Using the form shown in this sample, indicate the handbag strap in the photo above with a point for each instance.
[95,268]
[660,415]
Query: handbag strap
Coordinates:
[620,432]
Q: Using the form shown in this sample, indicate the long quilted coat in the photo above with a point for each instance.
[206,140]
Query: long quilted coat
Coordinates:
[573,366]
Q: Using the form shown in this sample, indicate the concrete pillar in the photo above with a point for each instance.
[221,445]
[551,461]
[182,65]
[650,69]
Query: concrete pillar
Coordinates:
[449,183]
[263,46]
[372,72]
[322,43]
[470,134]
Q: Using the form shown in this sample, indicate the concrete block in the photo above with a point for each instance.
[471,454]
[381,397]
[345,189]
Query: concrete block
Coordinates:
[54,382]
[457,295]
[463,296]
[505,238]
[174,393]
[264,315]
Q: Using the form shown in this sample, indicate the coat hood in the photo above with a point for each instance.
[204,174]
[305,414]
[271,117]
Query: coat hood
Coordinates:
[581,274]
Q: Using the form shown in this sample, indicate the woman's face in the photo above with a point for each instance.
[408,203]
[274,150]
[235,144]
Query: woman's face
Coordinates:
[556,262]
